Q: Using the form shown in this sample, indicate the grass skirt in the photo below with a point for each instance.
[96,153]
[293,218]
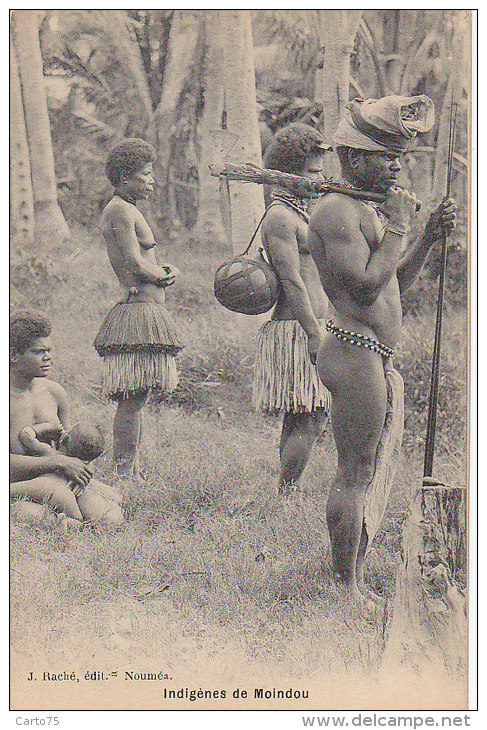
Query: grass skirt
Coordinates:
[387,456]
[138,342]
[285,380]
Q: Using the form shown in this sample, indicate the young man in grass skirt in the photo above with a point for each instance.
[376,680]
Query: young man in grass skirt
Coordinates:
[364,267]
[137,340]
[286,380]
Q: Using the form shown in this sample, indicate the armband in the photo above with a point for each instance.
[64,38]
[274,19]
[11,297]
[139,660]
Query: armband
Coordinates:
[397,229]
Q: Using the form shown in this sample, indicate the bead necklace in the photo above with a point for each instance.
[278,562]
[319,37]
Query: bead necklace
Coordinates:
[127,198]
[372,204]
[292,201]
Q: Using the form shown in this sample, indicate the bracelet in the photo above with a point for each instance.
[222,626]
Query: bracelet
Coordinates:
[399,230]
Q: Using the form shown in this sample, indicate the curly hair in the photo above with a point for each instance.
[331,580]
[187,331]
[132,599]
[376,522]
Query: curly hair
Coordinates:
[292,146]
[86,442]
[25,327]
[127,158]
[342,154]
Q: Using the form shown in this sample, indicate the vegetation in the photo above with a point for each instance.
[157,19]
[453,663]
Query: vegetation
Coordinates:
[211,571]
[241,578]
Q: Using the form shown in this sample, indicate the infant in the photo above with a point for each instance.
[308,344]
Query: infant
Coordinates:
[84,441]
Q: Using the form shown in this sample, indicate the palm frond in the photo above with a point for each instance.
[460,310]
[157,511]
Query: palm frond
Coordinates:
[72,64]
[296,32]
[96,128]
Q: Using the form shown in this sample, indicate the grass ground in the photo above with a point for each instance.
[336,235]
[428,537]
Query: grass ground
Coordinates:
[212,575]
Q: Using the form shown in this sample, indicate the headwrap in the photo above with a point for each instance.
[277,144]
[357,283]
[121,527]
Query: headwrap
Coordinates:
[384,125]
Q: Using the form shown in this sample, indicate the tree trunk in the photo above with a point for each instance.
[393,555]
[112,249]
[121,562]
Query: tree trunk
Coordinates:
[21,196]
[456,81]
[49,220]
[246,200]
[119,40]
[182,59]
[209,225]
[337,29]
[115,23]
[429,629]
[394,61]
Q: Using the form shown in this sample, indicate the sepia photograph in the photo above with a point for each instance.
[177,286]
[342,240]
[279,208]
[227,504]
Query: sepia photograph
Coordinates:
[240,357]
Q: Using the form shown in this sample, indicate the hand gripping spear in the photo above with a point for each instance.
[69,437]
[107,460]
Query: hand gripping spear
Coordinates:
[428,480]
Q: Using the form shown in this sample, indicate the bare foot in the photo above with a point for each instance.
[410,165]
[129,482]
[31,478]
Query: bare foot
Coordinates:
[366,604]
[288,489]
[354,596]
[61,524]
[124,468]
[64,523]
[375,597]
[131,470]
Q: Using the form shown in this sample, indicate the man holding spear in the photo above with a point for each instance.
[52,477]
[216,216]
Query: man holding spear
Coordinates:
[358,249]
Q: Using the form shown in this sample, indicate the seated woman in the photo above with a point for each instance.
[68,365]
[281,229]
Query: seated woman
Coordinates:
[60,480]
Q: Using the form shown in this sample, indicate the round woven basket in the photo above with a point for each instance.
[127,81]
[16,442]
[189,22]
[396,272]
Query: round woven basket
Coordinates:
[246,285]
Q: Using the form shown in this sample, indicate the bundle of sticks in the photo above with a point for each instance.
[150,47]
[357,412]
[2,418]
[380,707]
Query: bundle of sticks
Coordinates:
[297,185]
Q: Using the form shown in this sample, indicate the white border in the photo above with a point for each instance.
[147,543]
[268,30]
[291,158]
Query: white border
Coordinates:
[284,720]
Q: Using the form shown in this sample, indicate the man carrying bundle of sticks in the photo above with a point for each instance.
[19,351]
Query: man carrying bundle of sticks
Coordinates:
[137,340]
[286,380]
[358,248]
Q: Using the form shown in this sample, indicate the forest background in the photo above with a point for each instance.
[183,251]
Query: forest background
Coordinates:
[244,577]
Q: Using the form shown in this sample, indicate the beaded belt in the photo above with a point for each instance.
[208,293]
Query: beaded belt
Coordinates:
[355,338]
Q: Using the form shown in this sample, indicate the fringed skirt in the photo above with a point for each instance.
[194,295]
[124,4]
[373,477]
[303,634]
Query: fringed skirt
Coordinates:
[285,379]
[138,342]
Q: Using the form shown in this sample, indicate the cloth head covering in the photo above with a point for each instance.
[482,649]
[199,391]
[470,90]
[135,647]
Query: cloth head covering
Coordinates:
[384,125]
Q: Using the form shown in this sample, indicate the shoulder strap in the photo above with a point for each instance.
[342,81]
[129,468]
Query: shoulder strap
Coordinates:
[256,230]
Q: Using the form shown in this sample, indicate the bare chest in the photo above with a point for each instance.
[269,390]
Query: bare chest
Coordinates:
[372,227]
[111,227]
[143,232]
[27,409]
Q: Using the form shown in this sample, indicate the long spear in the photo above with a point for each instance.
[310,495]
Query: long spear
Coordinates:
[435,368]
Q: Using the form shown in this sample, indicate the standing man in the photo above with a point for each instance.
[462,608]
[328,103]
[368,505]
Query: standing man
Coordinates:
[137,340]
[358,249]
[286,379]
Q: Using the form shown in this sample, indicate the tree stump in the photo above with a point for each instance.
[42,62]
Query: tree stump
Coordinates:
[429,625]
